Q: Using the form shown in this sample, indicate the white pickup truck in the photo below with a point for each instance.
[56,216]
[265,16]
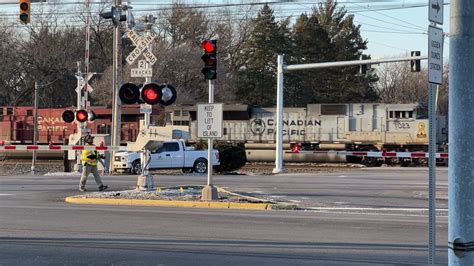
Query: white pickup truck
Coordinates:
[173,154]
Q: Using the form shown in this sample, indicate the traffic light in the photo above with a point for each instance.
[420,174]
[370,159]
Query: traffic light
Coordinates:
[210,59]
[80,116]
[415,64]
[150,93]
[24,15]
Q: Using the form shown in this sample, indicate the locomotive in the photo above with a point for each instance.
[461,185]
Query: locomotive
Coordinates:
[348,126]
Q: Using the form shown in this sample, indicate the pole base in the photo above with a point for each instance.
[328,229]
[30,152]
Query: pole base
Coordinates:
[145,182]
[277,170]
[209,193]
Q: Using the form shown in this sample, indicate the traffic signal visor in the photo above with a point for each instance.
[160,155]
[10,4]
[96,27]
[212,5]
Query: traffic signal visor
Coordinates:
[24,15]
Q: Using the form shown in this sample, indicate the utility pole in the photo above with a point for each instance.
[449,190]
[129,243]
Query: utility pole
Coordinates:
[35,129]
[116,80]
[461,112]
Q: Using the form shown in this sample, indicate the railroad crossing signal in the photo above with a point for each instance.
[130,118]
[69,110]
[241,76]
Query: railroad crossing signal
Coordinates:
[210,59]
[415,64]
[80,116]
[150,93]
[24,16]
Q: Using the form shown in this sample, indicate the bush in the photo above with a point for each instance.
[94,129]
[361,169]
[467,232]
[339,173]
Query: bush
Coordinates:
[231,156]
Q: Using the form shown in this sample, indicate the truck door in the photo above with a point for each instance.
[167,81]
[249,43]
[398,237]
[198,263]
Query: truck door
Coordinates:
[163,157]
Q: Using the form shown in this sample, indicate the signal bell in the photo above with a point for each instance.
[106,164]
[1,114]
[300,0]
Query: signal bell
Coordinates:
[150,93]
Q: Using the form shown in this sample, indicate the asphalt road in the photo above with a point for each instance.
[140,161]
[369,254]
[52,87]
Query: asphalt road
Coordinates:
[374,216]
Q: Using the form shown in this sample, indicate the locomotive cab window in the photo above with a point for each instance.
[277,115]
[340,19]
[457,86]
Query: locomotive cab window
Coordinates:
[400,114]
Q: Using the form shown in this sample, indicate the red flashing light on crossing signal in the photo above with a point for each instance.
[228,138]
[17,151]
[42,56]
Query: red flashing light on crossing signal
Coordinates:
[24,15]
[150,93]
[210,59]
[82,116]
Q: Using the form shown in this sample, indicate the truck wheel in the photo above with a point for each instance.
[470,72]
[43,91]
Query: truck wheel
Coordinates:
[136,168]
[200,166]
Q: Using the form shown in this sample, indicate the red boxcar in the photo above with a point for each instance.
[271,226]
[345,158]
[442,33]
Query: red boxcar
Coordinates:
[16,123]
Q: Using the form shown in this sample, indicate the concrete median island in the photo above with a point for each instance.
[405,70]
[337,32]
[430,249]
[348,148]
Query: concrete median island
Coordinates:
[181,196]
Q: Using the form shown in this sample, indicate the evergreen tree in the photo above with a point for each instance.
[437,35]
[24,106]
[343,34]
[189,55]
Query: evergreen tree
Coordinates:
[342,84]
[256,79]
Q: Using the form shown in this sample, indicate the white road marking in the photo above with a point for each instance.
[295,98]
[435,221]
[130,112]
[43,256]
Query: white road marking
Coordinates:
[7,194]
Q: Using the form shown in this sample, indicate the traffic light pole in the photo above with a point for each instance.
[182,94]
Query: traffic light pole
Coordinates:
[282,68]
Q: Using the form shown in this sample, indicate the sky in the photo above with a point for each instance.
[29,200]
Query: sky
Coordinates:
[392,28]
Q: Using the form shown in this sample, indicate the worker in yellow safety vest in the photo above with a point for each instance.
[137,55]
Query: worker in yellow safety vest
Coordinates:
[89,165]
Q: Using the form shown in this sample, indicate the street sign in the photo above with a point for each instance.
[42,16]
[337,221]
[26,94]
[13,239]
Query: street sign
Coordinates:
[141,44]
[436,10]
[150,57]
[145,108]
[435,55]
[141,73]
[209,118]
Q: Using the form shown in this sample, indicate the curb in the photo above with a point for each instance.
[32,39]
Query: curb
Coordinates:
[171,203]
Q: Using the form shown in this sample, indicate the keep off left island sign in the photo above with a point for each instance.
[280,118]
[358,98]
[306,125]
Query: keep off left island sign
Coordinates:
[209,118]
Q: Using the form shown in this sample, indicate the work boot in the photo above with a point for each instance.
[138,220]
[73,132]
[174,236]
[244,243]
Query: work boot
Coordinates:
[82,189]
[102,188]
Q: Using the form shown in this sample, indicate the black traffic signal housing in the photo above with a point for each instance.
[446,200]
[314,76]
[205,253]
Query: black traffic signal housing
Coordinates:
[210,59]
[79,115]
[415,64]
[150,93]
[25,10]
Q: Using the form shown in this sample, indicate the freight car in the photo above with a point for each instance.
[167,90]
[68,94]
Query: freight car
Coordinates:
[350,126]
[17,126]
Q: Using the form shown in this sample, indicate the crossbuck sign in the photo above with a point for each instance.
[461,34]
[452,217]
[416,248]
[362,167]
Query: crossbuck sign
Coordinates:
[141,44]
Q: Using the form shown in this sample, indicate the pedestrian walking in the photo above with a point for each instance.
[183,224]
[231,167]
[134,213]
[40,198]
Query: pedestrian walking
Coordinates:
[90,159]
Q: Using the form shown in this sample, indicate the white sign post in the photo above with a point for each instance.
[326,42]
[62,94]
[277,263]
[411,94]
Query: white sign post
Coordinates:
[435,55]
[436,10]
[209,118]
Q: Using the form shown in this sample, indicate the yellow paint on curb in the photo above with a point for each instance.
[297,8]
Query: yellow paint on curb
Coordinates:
[172,203]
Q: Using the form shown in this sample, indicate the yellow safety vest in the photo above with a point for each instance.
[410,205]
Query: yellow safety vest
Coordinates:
[87,153]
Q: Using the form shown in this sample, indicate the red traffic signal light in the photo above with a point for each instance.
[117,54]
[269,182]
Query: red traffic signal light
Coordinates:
[82,116]
[68,116]
[24,11]
[151,93]
[210,59]
[129,93]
